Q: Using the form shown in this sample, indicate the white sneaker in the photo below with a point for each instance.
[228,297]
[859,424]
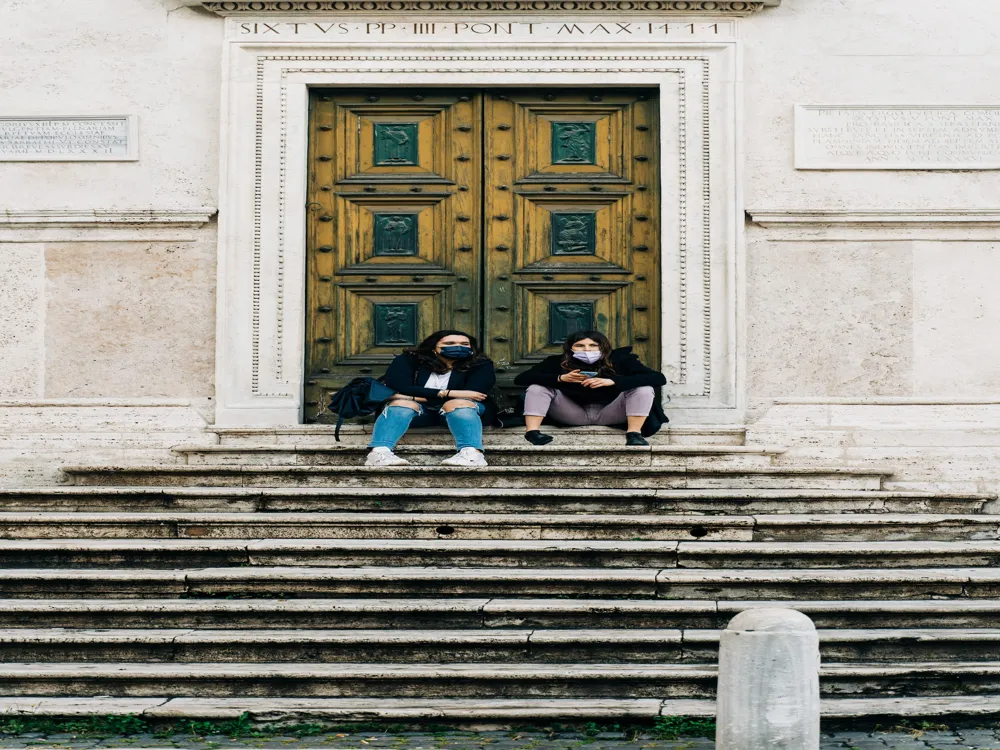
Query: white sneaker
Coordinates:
[469,457]
[384,457]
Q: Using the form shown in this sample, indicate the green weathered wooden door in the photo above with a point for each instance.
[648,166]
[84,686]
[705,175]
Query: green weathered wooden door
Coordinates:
[519,216]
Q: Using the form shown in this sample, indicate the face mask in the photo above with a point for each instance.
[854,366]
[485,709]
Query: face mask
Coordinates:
[456,352]
[588,357]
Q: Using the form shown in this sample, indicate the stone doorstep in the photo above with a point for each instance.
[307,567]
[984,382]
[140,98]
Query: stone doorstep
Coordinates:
[359,434]
[692,456]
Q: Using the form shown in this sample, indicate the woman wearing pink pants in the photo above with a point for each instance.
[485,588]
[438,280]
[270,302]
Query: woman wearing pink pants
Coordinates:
[592,384]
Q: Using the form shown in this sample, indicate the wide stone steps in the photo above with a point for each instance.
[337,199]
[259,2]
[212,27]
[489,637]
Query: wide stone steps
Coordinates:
[719,502]
[498,477]
[500,526]
[688,456]
[502,553]
[609,583]
[485,613]
[465,680]
[504,645]
[579,579]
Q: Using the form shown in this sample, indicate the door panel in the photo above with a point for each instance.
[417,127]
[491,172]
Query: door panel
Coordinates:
[394,227]
[520,216]
[571,223]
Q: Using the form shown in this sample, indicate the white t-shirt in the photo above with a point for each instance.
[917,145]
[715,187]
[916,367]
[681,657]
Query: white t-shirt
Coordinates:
[438,381]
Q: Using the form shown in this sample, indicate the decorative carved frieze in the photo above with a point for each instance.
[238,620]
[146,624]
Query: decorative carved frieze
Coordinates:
[521,7]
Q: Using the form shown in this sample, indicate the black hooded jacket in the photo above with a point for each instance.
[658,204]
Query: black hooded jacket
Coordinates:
[629,373]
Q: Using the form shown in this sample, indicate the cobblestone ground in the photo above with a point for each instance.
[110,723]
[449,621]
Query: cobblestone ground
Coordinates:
[958,739]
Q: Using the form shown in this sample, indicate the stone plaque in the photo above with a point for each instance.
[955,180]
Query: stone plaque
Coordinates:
[68,138]
[897,137]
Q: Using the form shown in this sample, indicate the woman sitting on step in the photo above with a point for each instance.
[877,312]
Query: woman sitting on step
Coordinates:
[592,384]
[444,379]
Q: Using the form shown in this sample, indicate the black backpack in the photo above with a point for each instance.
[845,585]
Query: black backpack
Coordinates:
[359,398]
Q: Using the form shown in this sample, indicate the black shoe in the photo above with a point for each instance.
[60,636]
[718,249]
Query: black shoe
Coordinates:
[537,437]
[635,438]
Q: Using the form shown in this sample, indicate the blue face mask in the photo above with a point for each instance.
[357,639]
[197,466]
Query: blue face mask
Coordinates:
[456,352]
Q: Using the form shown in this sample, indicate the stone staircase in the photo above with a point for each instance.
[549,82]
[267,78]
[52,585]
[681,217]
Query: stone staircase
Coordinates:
[269,572]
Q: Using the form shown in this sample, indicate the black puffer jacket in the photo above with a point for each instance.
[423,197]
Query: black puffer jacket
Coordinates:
[629,373]
[405,371]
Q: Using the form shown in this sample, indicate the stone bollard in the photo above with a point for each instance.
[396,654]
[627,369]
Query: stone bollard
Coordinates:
[768,696]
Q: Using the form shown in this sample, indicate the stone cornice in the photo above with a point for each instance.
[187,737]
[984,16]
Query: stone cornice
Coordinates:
[59,218]
[512,7]
[803,218]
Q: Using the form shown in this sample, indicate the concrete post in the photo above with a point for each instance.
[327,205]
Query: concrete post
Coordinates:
[768,696]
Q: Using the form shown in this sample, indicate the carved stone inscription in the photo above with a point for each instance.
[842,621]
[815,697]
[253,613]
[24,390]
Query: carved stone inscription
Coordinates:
[899,137]
[66,139]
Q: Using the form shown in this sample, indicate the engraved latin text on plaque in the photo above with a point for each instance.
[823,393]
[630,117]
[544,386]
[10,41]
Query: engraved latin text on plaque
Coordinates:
[67,138]
[897,137]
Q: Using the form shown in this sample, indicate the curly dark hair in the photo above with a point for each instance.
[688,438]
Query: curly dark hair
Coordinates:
[424,352]
[603,365]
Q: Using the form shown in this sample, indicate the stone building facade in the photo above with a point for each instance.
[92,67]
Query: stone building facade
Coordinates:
[819,192]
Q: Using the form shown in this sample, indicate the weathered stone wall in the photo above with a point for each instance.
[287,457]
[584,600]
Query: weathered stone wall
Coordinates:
[107,328]
[854,319]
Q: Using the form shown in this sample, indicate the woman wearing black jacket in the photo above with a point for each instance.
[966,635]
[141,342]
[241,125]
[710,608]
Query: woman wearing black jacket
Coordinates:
[592,384]
[444,379]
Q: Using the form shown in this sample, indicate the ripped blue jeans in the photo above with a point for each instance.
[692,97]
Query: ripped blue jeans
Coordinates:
[464,422]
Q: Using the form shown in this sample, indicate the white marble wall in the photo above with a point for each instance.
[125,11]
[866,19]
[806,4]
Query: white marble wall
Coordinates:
[831,313]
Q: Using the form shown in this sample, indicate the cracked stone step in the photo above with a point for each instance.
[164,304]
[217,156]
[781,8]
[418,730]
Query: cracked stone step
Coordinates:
[585,583]
[514,710]
[463,680]
[373,526]
[165,553]
[332,454]
[278,525]
[444,500]
[511,709]
[501,477]
[636,645]
[358,679]
[479,613]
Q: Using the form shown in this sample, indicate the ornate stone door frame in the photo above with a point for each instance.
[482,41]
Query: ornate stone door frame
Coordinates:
[261,273]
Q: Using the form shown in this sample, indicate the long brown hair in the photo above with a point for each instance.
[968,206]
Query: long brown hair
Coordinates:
[603,365]
[424,352]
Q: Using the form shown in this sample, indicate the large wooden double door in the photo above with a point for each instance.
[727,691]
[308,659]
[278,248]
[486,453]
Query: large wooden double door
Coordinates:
[519,216]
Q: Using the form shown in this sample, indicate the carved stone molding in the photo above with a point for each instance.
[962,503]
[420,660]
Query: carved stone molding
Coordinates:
[520,7]
[83,218]
[890,217]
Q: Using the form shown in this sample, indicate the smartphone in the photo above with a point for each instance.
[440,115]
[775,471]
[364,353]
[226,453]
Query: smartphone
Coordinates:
[588,373]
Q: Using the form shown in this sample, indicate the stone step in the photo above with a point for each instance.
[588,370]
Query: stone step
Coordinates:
[500,553]
[320,525]
[504,645]
[440,500]
[506,712]
[584,583]
[465,680]
[359,435]
[485,613]
[572,454]
[499,477]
